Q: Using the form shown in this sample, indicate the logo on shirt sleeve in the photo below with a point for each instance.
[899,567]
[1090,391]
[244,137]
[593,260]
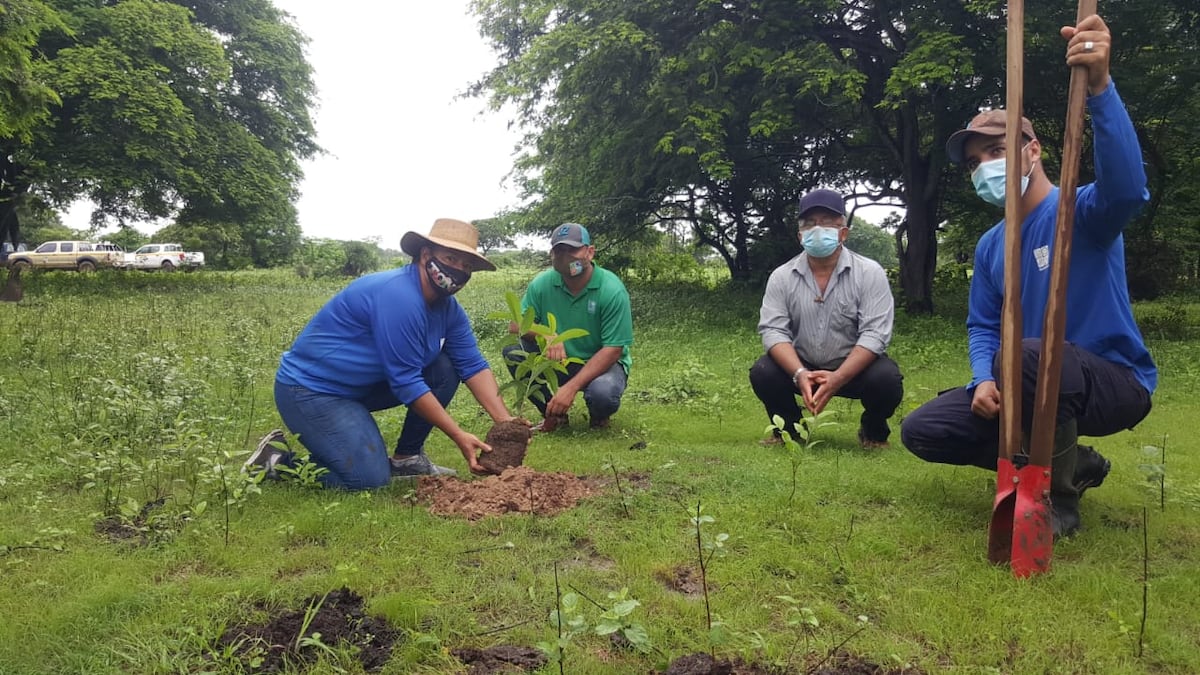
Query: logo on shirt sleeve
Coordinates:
[1041,255]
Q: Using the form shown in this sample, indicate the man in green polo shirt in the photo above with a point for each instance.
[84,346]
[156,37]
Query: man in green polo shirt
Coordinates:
[580,294]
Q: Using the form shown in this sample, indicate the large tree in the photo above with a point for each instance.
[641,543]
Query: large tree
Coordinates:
[197,111]
[720,113]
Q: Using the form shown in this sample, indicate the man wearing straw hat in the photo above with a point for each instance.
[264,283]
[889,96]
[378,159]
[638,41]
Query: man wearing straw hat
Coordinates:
[388,339]
[1107,373]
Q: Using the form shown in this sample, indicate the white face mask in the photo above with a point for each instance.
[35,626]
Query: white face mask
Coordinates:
[990,179]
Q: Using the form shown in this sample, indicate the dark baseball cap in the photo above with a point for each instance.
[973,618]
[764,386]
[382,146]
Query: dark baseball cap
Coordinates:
[822,199]
[571,234]
[987,123]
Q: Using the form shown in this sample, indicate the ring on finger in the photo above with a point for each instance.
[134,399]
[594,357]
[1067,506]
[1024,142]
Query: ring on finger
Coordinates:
[1089,46]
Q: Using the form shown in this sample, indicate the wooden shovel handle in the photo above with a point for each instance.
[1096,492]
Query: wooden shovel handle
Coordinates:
[1045,405]
[1010,325]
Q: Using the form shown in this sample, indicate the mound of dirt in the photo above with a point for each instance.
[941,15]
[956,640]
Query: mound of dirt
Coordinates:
[500,659]
[519,489]
[841,663]
[703,664]
[509,441]
[338,617]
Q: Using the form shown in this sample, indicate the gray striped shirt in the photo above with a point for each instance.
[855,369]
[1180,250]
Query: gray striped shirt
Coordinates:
[856,309]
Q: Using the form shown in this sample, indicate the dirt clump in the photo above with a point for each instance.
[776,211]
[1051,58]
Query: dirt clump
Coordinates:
[516,490]
[500,659]
[705,664]
[338,617]
[841,663]
[509,441]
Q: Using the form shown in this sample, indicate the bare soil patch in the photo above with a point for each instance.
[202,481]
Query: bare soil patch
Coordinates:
[340,620]
[841,663]
[500,659]
[516,490]
[704,664]
[684,579]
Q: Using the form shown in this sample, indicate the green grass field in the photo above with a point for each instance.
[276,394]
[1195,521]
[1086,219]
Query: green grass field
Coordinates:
[131,400]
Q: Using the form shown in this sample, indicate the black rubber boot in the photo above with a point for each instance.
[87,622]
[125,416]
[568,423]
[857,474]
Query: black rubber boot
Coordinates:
[1090,469]
[1064,494]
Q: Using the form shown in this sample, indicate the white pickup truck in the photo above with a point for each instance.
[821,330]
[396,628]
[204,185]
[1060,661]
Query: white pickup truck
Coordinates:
[165,257]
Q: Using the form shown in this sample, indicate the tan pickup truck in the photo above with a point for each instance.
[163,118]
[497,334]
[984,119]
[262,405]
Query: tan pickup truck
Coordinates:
[84,256]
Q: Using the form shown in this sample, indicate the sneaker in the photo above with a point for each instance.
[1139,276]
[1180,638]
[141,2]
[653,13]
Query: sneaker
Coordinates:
[1091,468]
[771,441]
[418,465]
[267,454]
[600,424]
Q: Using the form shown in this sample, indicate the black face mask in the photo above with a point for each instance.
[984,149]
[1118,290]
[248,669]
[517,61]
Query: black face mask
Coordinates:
[446,280]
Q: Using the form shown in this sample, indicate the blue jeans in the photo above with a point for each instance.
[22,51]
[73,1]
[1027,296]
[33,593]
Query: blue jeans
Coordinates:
[602,395]
[343,437]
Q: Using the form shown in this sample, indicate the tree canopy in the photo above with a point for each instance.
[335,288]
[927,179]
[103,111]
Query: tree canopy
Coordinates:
[720,114]
[196,111]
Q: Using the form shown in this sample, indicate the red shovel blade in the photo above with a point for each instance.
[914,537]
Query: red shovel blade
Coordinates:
[1032,527]
[1000,532]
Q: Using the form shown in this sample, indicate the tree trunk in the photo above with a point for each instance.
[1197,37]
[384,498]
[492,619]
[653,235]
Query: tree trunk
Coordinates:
[11,190]
[918,258]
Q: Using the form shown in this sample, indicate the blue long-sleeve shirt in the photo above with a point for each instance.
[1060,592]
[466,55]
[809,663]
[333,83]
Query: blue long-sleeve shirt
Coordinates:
[380,329]
[1099,314]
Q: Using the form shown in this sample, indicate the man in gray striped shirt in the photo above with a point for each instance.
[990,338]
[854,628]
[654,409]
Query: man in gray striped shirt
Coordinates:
[825,322]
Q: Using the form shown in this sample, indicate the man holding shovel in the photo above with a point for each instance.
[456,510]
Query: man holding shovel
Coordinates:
[1107,373]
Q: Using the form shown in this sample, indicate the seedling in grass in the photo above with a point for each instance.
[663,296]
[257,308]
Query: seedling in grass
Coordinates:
[567,621]
[804,620]
[611,465]
[615,619]
[705,550]
[1141,639]
[310,613]
[236,490]
[804,431]
[534,372]
[1156,473]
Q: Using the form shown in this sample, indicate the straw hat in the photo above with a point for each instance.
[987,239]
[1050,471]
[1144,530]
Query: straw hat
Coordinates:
[448,233]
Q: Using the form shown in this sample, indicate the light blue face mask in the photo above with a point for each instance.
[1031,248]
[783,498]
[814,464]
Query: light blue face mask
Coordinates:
[989,179]
[820,242]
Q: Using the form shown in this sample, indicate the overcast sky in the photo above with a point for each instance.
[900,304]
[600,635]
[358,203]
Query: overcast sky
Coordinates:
[401,150]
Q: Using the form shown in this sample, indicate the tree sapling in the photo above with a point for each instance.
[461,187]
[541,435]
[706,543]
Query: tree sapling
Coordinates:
[534,375]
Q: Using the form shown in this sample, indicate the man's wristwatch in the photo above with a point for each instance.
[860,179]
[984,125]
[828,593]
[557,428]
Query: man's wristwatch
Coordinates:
[796,374]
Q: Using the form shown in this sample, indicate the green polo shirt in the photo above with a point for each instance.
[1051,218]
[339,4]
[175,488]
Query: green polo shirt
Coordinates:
[602,309]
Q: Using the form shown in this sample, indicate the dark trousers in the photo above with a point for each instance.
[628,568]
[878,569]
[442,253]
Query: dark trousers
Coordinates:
[1103,398]
[880,387]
